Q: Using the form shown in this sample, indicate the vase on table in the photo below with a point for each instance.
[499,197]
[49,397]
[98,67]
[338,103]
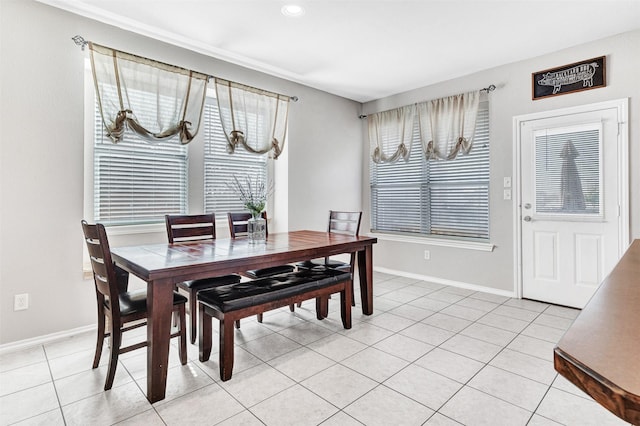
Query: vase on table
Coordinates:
[257,229]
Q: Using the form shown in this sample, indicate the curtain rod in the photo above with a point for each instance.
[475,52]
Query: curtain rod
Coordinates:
[80,41]
[487,89]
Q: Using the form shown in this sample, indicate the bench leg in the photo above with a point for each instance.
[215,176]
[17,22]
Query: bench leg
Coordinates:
[204,334]
[346,297]
[226,349]
[319,315]
[322,307]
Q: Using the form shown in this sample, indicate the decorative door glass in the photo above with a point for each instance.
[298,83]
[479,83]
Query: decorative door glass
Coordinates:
[568,171]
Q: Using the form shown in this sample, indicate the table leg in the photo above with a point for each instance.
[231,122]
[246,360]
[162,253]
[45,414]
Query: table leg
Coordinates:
[159,305]
[365,272]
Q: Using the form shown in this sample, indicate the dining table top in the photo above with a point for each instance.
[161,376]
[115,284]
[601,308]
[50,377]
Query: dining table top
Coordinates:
[226,255]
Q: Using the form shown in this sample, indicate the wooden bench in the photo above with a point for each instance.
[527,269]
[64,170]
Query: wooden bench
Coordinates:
[233,302]
[600,352]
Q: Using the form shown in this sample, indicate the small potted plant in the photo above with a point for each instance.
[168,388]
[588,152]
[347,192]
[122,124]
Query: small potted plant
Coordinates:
[253,195]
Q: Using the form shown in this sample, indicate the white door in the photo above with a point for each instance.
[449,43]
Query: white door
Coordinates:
[570,206]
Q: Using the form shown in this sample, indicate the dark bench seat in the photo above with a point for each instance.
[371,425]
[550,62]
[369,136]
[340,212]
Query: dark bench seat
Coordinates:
[233,302]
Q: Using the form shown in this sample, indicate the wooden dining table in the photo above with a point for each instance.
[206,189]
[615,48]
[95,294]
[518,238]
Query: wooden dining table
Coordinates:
[600,352]
[164,265]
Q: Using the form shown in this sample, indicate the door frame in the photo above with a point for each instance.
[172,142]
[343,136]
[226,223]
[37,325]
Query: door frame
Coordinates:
[622,108]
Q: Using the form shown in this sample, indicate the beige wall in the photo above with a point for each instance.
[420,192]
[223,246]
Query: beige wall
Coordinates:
[42,154]
[513,97]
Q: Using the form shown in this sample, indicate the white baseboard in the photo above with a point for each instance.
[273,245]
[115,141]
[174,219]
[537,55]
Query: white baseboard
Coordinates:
[41,340]
[468,286]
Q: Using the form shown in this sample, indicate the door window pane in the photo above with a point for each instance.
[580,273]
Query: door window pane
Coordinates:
[567,171]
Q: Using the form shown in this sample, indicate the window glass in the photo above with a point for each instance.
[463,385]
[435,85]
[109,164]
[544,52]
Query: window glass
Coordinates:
[567,175]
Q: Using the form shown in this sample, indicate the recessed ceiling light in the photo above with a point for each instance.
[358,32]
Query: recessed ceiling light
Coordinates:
[292,10]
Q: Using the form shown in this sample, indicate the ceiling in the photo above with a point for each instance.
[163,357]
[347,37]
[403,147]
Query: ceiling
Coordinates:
[366,50]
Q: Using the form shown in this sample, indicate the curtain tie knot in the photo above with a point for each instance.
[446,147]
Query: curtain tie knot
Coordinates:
[276,148]
[236,137]
[185,134]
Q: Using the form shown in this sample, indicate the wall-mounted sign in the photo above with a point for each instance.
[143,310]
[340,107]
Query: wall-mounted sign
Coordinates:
[583,75]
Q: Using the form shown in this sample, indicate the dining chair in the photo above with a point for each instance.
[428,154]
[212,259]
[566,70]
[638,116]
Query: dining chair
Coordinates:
[340,222]
[238,228]
[125,310]
[193,228]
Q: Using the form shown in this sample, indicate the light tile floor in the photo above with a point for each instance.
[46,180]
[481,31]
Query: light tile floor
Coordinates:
[430,355]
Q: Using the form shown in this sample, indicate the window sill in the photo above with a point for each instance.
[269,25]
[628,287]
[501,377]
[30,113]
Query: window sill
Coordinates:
[441,242]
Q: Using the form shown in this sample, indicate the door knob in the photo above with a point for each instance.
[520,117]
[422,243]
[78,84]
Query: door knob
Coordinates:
[527,218]
[527,206]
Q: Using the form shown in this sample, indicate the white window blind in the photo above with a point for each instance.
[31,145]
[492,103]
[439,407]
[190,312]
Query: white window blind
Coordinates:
[220,166]
[444,198]
[137,182]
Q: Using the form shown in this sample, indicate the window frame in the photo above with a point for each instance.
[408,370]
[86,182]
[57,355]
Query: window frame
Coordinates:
[195,175]
[481,244]
[89,169]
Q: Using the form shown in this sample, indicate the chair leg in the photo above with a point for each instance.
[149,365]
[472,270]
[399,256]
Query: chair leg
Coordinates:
[204,334]
[182,349]
[299,304]
[353,299]
[115,340]
[99,341]
[238,324]
[193,316]
[292,307]
[345,307]
[259,316]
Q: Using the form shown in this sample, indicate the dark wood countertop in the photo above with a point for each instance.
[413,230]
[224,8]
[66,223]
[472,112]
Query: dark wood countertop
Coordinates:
[600,352]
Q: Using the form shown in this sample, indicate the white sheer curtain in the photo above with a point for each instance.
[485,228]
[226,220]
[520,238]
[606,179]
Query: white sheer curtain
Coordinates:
[390,134]
[253,118]
[120,80]
[447,125]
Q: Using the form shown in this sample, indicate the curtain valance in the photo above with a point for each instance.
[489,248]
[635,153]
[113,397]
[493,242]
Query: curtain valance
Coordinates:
[253,118]
[446,126]
[123,81]
[390,134]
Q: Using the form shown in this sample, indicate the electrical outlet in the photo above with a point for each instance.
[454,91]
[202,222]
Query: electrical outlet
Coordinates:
[427,255]
[507,182]
[507,194]
[21,302]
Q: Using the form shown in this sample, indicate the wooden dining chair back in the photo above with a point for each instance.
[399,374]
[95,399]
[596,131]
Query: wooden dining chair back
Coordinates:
[343,223]
[238,224]
[193,228]
[181,228]
[125,310]
[340,222]
[238,228]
